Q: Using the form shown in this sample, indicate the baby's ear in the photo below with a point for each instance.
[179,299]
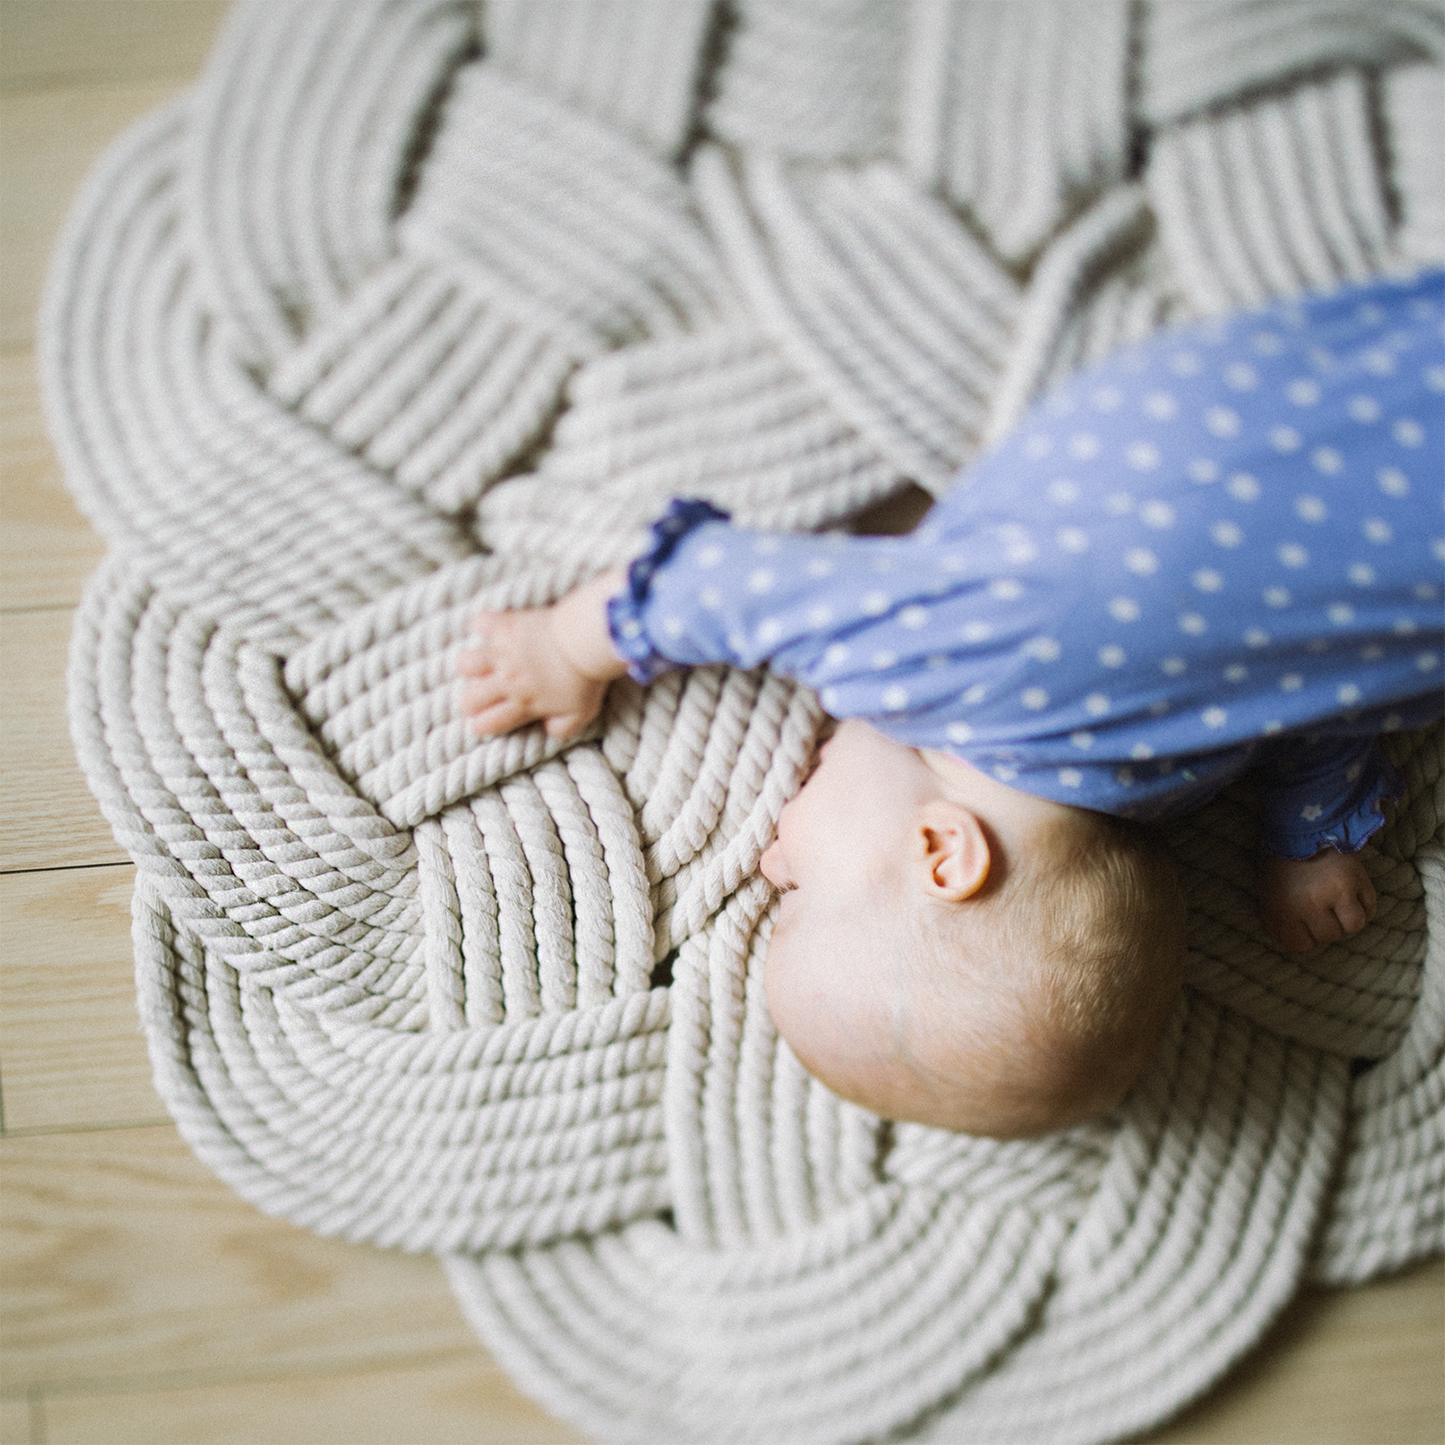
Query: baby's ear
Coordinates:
[955,854]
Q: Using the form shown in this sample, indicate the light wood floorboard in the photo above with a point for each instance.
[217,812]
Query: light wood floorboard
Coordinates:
[15,1420]
[48,141]
[46,548]
[1359,1366]
[142,1300]
[129,1265]
[70,1039]
[55,44]
[48,817]
[439,1402]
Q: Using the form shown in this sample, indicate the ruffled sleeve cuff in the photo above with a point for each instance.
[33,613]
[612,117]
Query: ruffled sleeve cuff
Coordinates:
[626,611]
[1306,827]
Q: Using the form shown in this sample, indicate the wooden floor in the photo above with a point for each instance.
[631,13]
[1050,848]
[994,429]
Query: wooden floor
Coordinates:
[142,1301]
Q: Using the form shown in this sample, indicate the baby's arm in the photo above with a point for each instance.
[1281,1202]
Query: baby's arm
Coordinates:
[1309,901]
[552,664]
[706,592]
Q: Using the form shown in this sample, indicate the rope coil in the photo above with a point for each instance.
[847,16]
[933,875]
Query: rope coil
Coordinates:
[415,308]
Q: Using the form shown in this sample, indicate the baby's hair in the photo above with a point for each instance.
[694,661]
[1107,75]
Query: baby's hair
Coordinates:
[1055,990]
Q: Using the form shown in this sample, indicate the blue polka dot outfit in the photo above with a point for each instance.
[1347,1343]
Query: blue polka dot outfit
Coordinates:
[1218,551]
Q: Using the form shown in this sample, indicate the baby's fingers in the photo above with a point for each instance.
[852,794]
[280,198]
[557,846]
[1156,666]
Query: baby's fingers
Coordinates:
[474,662]
[491,632]
[500,717]
[490,708]
[566,725]
[481,692]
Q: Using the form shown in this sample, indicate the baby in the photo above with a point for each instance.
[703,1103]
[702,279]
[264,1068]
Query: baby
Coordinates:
[1216,553]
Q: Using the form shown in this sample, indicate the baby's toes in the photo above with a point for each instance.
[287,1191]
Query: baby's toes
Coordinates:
[1353,913]
[1292,935]
[1358,902]
[1325,926]
[1288,927]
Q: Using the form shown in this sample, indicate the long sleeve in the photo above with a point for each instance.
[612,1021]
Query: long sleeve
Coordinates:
[1221,539]
[878,625]
[1322,792]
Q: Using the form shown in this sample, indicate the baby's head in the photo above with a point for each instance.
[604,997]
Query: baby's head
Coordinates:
[954,952]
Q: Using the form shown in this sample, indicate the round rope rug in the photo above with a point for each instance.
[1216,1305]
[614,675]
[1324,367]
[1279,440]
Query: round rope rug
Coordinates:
[412,307]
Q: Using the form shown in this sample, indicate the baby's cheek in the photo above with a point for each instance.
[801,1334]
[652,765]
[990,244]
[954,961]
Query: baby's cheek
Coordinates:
[797,999]
[780,981]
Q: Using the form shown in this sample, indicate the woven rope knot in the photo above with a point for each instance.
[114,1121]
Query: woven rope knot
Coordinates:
[415,308]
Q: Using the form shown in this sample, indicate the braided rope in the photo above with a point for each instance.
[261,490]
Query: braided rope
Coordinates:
[415,307]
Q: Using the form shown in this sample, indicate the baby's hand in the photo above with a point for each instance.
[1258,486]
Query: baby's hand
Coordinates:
[517,674]
[549,664]
[1309,901]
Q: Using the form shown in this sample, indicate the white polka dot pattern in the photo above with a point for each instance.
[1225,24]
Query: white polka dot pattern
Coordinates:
[1006,611]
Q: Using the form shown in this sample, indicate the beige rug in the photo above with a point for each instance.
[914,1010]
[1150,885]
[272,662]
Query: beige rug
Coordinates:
[414,306]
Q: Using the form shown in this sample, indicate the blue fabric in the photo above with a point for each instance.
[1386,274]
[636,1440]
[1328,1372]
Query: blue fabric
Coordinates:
[626,611]
[1217,551]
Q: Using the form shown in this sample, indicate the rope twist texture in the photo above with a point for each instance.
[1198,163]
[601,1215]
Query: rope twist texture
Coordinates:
[415,307]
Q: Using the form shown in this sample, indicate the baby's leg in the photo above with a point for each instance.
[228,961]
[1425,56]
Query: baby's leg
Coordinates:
[1309,901]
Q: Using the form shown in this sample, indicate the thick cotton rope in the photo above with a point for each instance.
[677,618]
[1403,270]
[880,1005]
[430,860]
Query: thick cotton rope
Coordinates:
[417,307]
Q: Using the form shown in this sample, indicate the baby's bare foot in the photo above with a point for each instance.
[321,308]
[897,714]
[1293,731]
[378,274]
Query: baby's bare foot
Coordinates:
[1309,901]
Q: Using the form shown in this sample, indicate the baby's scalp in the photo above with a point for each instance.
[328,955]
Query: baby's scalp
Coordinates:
[1080,955]
[1028,1007]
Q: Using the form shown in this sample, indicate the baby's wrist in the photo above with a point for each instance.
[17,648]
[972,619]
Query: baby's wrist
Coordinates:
[579,627]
